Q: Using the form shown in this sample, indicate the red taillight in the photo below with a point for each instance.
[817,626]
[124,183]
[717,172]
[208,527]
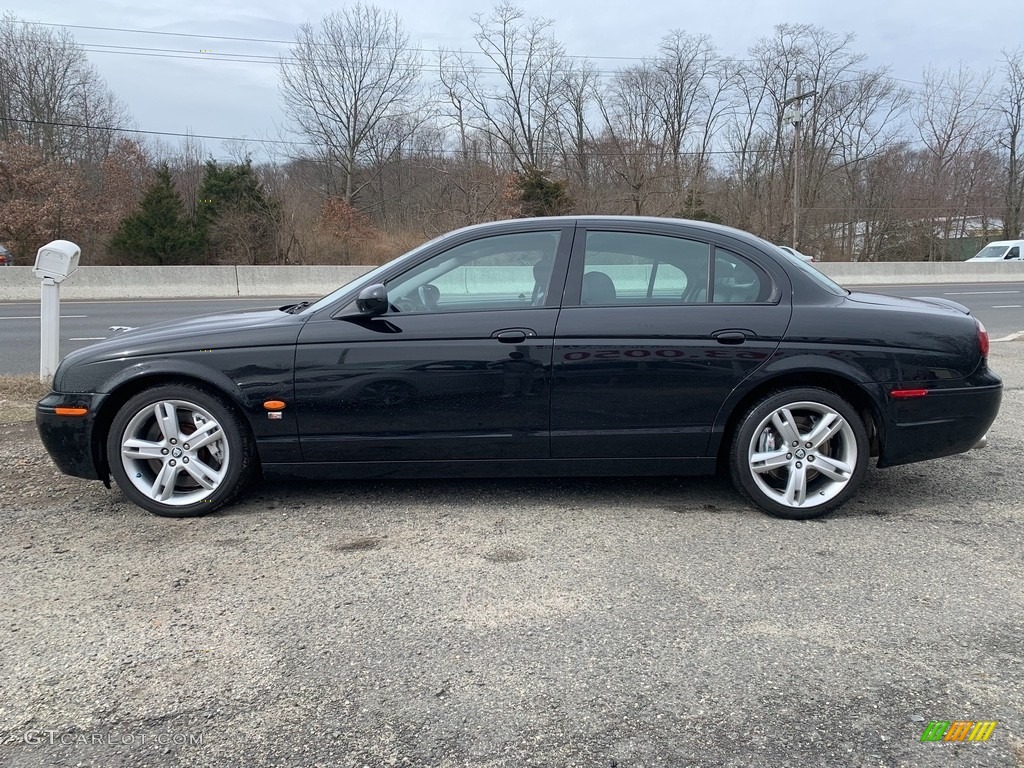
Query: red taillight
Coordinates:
[982,338]
[903,394]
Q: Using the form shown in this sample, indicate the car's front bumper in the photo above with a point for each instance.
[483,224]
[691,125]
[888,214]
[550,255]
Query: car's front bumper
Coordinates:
[942,423]
[69,439]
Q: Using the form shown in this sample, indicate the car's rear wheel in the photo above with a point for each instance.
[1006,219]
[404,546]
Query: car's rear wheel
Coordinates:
[799,453]
[178,451]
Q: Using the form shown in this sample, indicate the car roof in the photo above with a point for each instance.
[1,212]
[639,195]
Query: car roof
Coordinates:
[598,220]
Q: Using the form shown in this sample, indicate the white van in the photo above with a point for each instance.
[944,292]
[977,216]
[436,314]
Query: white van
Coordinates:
[1001,250]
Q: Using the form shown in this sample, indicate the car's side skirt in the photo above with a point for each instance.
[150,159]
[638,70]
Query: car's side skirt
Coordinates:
[510,468]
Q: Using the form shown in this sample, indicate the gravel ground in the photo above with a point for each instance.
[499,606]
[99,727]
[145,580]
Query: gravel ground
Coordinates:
[528,623]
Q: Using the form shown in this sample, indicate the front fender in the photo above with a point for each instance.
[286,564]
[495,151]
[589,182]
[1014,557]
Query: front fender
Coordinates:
[245,379]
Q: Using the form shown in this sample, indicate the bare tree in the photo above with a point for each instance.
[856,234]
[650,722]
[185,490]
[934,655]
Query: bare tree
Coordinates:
[853,114]
[518,110]
[1011,139]
[352,85]
[575,137]
[52,97]
[40,199]
[754,155]
[632,145]
[952,119]
[874,227]
[187,163]
[868,111]
[687,99]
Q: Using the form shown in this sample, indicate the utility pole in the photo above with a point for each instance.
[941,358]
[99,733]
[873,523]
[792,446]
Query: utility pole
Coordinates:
[795,115]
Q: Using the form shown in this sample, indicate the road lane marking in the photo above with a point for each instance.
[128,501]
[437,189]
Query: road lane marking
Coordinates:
[973,293]
[87,338]
[263,300]
[36,317]
[1007,306]
[1012,337]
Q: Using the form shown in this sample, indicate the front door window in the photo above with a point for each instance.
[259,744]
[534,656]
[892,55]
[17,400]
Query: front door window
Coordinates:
[501,272]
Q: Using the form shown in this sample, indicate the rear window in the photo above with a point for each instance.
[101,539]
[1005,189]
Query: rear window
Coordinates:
[820,278]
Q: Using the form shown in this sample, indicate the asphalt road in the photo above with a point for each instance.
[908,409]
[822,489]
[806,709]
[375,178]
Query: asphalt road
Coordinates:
[1000,306]
[84,322]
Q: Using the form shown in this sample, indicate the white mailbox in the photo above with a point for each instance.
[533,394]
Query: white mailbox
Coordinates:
[56,260]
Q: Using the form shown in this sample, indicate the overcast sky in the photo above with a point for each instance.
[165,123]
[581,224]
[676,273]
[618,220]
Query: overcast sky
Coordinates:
[240,99]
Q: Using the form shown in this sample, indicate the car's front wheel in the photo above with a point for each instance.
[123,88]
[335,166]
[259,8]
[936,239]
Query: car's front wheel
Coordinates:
[799,453]
[178,451]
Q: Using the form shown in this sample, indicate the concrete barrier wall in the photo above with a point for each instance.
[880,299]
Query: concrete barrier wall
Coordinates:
[897,272]
[293,280]
[117,283]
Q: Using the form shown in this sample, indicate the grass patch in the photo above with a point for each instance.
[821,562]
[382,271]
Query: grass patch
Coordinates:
[18,396]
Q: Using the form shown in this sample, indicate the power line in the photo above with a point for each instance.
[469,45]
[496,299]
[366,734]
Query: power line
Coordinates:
[292,42]
[247,58]
[114,129]
[477,152]
[253,58]
[275,41]
[260,58]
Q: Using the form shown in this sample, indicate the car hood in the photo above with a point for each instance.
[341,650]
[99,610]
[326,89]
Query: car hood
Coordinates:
[201,324]
[917,302]
[218,330]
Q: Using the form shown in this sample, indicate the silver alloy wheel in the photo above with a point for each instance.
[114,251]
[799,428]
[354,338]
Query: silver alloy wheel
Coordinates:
[802,454]
[175,452]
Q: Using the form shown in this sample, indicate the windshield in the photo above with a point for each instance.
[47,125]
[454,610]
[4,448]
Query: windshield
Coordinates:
[991,252]
[821,279]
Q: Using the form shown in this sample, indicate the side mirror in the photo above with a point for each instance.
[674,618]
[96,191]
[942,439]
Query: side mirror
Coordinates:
[372,300]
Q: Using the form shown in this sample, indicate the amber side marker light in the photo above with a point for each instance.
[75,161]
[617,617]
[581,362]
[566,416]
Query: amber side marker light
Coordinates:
[68,411]
[274,405]
[903,394]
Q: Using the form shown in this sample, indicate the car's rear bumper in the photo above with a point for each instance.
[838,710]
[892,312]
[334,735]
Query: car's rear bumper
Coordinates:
[68,439]
[942,423]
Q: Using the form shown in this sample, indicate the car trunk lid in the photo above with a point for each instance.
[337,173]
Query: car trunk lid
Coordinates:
[903,301]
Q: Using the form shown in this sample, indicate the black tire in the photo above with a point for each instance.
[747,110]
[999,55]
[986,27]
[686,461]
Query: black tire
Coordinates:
[166,475]
[770,474]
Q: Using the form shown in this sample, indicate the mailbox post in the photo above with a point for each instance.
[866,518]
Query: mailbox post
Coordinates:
[54,262]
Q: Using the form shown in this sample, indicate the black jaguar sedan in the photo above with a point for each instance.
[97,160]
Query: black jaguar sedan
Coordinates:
[553,346]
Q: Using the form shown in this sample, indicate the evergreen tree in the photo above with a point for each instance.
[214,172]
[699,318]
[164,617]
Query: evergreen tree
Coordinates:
[231,185]
[541,196]
[694,208]
[235,214]
[159,232]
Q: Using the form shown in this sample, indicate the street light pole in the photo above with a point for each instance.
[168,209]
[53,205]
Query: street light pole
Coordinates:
[795,116]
